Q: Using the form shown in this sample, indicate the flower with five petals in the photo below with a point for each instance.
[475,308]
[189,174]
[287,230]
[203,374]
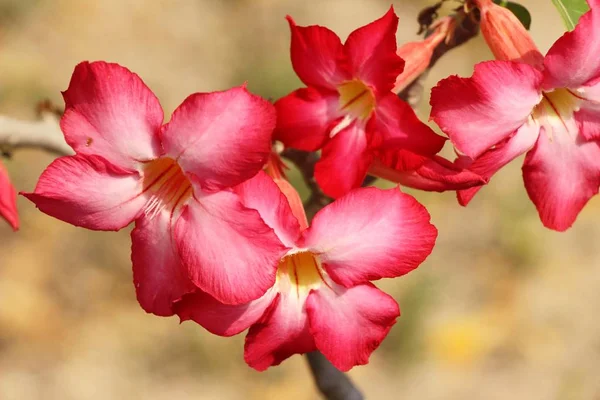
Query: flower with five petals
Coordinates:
[549,110]
[174,180]
[322,298]
[348,108]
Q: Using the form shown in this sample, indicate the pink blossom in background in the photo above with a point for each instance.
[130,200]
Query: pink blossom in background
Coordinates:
[549,110]
[323,299]
[348,109]
[173,180]
[8,199]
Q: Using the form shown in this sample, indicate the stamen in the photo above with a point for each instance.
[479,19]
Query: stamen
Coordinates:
[356,99]
[167,186]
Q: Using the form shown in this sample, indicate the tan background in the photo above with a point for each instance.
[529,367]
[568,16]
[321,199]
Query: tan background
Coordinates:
[503,309]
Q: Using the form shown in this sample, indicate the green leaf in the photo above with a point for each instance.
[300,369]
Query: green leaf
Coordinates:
[571,10]
[518,10]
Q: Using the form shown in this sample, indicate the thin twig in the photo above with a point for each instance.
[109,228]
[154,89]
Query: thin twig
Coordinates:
[44,133]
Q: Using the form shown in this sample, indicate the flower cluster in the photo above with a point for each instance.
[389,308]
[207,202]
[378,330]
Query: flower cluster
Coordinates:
[222,238]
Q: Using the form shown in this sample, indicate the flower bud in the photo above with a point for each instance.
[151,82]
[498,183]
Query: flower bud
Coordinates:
[417,55]
[505,34]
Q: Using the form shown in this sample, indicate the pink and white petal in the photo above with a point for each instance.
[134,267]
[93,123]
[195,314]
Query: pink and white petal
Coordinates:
[111,112]
[262,194]
[561,174]
[480,112]
[159,277]
[88,191]
[222,319]
[588,115]
[344,161]
[400,128]
[348,324]
[371,50]
[8,199]
[282,332]
[572,60]
[229,251]
[223,138]
[494,159]
[318,56]
[434,175]
[371,234]
[305,117]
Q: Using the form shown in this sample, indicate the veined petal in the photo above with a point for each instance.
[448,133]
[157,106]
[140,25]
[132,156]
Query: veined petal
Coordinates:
[371,234]
[229,251]
[317,56]
[305,117]
[110,112]
[371,51]
[8,199]
[481,111]
[158,275]
[494,159]
[561,174]
[88,191]
[572,61]
[222,319]
[222,138]
[262,194]
[400,128]
[282,332]
[344,161]
[588,115]
[349,324]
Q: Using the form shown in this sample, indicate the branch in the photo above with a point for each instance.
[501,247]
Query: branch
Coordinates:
[333,383]
[44,133]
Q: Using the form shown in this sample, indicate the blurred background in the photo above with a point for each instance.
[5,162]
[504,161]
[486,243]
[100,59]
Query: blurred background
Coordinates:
[503,308]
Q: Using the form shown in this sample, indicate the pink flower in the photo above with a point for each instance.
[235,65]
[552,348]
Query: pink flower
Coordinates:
[323,299]
[174,180]
[348,108]
[8,199]
[552,113]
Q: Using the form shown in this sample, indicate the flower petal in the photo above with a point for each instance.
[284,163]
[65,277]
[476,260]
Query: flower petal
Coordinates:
[222,319]
[561,174]
[371,234]
[344,161]
[229,251]
[158,275]
[481,111]
[305,117]
[223,138]
[317,56]
[349,324]
[263,195]
[282,332]
[400,128]
[572,60]
[494,159]
[8,199]
[88,191]
[434,175]
[110,112]
[371,51]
